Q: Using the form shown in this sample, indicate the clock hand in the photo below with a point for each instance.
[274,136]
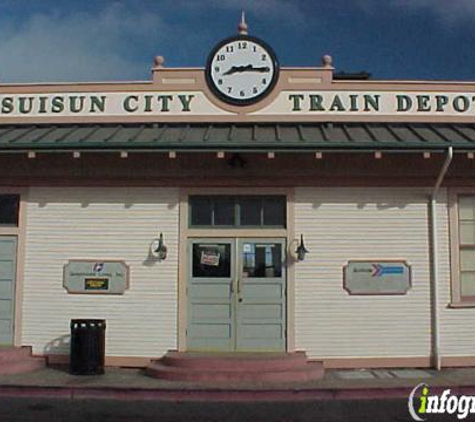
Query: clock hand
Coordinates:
[247,68]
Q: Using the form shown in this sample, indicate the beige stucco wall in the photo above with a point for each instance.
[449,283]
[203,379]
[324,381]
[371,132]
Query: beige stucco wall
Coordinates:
[342,224]
[101,223]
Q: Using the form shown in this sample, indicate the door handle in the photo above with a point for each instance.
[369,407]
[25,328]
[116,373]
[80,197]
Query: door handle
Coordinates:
[239,286]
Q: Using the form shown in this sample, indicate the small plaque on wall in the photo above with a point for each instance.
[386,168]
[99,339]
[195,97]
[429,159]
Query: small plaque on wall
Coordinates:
[93,277]
[377,277]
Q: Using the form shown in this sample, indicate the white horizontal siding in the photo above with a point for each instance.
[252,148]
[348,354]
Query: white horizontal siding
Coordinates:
[343,224]
[101,224]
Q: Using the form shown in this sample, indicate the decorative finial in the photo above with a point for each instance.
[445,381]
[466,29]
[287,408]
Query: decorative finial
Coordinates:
[242,28]
[327,61]
[158,61]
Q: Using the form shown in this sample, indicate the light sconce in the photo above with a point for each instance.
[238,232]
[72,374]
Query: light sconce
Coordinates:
[301,250]
[158,249]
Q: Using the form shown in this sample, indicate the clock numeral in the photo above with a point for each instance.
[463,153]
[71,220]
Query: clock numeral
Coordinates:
[264,57]
[217,68]
[242,45]
[229,49]
[242,93]
[229,90]
[220,58]
[254,49]
[254,90]
[264,81]
[220,81]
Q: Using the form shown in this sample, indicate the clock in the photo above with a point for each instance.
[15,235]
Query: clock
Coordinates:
[242,70]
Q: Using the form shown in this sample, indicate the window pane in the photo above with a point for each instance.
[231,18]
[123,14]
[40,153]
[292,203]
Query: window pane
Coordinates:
[262,260]
[9,208]
[467,232]
[467,260]
[251,209]
[466,207]
[224,211]
[467,284]
[274,212]
[212,261]
[201,211]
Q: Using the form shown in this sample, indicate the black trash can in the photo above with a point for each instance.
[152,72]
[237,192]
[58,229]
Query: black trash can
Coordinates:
[88,344]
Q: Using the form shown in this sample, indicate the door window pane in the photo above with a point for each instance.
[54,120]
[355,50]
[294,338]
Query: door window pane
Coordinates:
[466,208]
[467,260]
[262,260]
[9,209]
[251,211]
[224,214]
[212,260]
[467,232]
[467,287]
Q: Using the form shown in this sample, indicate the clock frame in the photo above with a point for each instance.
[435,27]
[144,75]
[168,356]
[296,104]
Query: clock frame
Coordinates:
[248,100]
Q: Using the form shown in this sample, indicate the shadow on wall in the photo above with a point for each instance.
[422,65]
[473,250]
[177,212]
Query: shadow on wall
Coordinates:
[359,198]
[98,195]
[58,346]
[361,205]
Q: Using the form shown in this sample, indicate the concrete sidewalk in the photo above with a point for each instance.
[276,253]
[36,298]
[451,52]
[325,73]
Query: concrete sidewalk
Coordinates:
[132,384]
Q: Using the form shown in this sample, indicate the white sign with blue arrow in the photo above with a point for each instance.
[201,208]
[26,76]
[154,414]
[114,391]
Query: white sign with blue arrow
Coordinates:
[377,278]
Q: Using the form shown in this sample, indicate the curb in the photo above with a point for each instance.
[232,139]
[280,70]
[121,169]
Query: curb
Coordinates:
[217,395]
[131,394]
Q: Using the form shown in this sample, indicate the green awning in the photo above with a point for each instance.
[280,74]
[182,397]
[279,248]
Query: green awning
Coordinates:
[238,137]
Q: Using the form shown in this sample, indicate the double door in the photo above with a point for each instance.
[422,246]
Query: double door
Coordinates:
[236,295]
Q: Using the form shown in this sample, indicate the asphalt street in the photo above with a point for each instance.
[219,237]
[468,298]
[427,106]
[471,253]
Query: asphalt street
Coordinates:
[59,410]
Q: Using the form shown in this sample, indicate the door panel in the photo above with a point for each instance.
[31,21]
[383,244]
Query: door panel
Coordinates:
[261,313]
[8,248]
[210,287]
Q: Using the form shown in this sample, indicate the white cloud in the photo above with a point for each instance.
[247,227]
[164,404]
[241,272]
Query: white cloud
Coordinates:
[76,47]
[55,46]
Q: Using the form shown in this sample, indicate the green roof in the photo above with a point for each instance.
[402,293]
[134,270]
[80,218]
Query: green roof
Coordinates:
[238,137]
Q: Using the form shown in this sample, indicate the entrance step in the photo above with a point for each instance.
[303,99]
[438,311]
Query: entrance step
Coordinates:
[238,367]
[18,360]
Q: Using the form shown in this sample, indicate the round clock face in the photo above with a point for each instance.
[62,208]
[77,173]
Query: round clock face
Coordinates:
[242,70]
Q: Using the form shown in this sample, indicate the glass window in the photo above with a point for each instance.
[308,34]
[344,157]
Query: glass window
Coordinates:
[212,261]
[466,224]
[262,260]
[251,211]
[238,211]
[201,210]
[224,211]
[9,210]
[274,211]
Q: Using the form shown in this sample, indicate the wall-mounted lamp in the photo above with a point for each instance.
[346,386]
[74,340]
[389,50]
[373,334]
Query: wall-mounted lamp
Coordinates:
[158,249]
[301,250]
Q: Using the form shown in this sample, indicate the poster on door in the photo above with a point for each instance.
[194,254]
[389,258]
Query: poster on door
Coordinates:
[210,258]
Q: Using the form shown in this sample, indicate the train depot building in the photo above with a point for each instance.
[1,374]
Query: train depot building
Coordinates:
[241,208]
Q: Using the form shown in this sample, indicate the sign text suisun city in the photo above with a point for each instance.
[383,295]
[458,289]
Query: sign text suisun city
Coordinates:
[197,103]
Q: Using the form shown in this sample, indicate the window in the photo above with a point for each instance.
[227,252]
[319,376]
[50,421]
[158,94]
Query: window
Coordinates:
[212,261]
[9,209]
[466,247]
[238,211]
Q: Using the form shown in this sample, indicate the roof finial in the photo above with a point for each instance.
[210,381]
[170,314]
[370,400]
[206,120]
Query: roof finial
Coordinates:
[242,28]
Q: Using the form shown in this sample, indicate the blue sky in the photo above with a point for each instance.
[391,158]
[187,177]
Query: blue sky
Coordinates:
[117,40]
